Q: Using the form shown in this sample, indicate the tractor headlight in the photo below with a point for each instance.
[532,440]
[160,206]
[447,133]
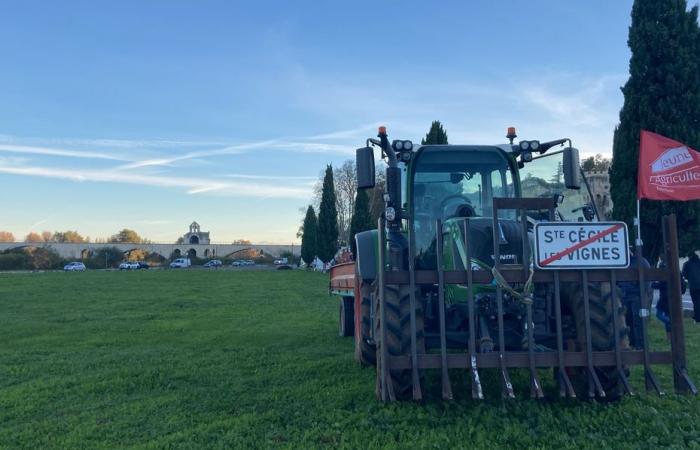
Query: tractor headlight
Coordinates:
[526,156]
[408,145]
[524,145]
[397,145]
[390,214]
[534,145]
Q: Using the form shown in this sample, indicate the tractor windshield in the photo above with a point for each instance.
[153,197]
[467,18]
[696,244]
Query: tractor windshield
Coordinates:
[544,177]
[456,182]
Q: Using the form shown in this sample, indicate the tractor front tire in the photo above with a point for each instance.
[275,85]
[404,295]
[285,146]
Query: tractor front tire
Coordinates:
[397,312]
[602,313]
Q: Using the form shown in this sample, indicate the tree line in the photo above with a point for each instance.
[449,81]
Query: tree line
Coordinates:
[70,236]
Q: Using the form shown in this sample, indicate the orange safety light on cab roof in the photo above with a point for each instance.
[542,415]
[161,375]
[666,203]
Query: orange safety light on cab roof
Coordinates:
[511,132]
[382,130]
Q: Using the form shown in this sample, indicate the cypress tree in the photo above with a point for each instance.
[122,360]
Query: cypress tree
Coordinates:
[661,95]
[327,239]
[308,239]
[361,218]
[436,135]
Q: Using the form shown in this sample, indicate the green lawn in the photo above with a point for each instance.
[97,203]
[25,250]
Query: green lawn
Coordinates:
[241,359]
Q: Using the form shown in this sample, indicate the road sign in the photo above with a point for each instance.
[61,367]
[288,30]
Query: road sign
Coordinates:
[578,245]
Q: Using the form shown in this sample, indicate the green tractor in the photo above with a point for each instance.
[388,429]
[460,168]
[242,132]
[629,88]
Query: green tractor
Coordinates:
[439,215]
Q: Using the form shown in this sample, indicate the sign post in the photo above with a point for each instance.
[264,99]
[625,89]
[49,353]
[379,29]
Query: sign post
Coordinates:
[579,245]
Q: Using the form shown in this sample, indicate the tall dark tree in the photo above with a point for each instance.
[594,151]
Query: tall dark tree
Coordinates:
[308,238]
[436,135]
[662,95]
[327,239]
[361,218]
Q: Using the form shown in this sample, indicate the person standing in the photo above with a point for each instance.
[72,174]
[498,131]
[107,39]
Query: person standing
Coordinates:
[632,301]
[691,272]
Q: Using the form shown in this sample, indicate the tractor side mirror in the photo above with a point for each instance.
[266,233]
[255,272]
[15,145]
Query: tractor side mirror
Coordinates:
[364,158]
[571,168]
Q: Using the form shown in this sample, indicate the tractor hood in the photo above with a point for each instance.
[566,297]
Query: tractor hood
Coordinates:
[480,241]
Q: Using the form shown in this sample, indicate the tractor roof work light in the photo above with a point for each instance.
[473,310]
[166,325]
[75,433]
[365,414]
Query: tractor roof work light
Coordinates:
[402,146]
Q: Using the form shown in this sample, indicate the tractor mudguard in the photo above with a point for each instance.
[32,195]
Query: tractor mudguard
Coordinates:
[366,260]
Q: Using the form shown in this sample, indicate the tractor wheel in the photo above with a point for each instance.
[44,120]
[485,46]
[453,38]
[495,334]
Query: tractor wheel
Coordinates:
[346,319]
[398,336]
[602,314]
[365,350]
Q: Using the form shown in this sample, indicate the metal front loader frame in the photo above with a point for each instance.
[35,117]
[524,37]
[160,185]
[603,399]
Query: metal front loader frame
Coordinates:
[503,360]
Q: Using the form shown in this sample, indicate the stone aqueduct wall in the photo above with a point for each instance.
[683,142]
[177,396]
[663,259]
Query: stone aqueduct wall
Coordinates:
[74,251]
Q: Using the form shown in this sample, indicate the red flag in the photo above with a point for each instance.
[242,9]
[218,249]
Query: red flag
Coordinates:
[668,169]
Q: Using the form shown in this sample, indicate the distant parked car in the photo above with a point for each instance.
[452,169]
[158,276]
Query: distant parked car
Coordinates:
[128,265]
[143,265]
[248,262]
[281,261]
[237,263]
[213,263]
[181,263]
[74,267]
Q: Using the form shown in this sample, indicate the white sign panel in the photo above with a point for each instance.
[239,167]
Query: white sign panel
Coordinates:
[577,245]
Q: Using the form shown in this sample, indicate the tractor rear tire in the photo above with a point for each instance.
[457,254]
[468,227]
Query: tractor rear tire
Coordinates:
[346,319]
[602,313]
[397,313]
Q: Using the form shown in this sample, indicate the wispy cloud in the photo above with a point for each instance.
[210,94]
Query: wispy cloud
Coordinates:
[47,151]
[269,177]
[577,102]
[191,185]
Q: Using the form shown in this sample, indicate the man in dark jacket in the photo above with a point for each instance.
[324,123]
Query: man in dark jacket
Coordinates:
[691,272]
[662,306]
[632,301]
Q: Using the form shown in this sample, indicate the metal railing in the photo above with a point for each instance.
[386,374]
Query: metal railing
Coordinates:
[562,358]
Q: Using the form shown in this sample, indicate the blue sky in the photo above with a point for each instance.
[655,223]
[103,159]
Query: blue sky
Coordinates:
[149,115]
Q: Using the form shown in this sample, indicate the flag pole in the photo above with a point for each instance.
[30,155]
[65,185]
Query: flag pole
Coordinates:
[637,221]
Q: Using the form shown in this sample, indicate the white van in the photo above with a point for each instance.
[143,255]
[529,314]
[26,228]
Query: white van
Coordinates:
[180,263]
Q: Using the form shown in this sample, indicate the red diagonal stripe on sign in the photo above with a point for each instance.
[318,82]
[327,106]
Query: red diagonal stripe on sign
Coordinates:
[570,250]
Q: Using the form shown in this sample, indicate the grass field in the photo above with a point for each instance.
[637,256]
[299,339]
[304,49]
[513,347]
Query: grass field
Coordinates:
[235,359]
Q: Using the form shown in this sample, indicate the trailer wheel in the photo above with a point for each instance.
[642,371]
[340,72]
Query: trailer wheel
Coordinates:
[346,319]
[398,336]
[603,338]
[365,349]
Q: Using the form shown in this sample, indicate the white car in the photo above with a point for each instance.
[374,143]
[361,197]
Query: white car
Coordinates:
[181,263]
[128,265]
[74,267]
[213,263]
[236,263]
[281,261]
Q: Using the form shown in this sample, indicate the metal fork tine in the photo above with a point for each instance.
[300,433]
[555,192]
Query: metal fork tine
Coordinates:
[535,387]
[593,381]
[477,391]
[385,384]
[616,332]
[446,386]
[650,380]
[502,355]
[417,394]
[565,386]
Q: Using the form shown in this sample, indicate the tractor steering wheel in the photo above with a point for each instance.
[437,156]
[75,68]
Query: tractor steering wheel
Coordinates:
[467,203]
